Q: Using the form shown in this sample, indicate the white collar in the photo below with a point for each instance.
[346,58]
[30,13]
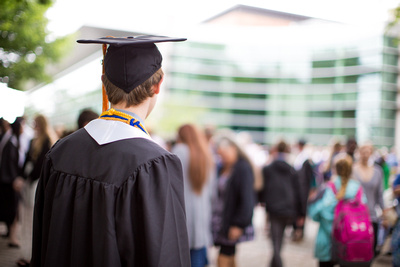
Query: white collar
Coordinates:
[108,131]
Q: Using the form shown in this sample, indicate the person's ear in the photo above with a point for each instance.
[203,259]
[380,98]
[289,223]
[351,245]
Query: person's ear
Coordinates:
[158,85]
[102,78]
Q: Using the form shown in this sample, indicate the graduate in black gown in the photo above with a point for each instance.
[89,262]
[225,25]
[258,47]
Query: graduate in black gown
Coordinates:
[108,194]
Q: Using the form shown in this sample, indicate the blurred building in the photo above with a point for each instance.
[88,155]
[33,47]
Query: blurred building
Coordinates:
[276,74]
[270,73]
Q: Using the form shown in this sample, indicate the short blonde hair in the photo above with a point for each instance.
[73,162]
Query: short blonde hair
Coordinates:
[136,96]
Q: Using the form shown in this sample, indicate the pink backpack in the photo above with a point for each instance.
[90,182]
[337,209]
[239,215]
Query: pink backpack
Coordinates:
[352,232]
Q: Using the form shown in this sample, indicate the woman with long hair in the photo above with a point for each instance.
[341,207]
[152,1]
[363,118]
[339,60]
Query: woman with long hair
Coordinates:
[322,205]
[234,201]
[44,138]
[370,176]
[198,172]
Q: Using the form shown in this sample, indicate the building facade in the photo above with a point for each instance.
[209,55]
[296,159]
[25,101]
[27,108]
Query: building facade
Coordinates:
[307,78]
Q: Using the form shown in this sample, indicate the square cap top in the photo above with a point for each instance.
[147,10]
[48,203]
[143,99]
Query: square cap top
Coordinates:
[131,40]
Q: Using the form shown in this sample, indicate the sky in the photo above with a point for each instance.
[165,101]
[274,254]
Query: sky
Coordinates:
[165,16]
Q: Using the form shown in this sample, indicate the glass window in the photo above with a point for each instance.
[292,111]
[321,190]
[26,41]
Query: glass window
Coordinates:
[351,61]
[323,80]
[389,95]
[390,41]
[389,114]
[323,64]
[350,79]
[389,77]
[390,59]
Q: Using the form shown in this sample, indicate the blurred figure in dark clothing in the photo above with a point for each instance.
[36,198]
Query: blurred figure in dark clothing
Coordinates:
[4,127]
[304,168]
[282,198]
[85,117]
[5,134]
[234,201]
[11,181]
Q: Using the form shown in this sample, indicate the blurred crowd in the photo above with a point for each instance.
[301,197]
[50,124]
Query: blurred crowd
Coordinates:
[226,175]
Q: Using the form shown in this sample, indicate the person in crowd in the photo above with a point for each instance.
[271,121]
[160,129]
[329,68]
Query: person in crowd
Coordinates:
[281,195]
[304,168]
[258,158]
[5,135]
[109,195]
[370,176]
[302,154]
[209,131]
[381,161]
[234,201]
[327,169]
[86,116]
[43,139]
[198,175]
[322,204]
[4,128]
[392,160]
[351,147]
[11,181]
[395,242]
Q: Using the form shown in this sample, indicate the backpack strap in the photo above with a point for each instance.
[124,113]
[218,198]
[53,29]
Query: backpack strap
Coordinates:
[332,186]
[359,194]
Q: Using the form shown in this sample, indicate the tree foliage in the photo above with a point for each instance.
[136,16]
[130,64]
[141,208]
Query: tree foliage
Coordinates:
[25,49]
[395,17]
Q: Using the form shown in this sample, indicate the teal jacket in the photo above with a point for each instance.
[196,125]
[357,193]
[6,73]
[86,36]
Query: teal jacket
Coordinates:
[322,211]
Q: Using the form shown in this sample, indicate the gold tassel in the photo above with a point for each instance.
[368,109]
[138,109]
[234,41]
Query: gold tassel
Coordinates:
[105,98]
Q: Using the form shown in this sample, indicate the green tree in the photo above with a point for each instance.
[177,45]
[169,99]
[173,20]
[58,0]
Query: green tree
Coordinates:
[25,50]
[395,17]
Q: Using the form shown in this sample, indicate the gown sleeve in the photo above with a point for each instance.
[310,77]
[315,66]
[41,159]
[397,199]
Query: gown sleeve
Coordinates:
[38,247]
[150,216]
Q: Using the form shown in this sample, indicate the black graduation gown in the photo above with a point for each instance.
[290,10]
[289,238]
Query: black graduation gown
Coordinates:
[9,171]
[119,204]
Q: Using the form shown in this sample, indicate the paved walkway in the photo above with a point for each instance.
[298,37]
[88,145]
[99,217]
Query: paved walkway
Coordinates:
[256,253]
[8,256]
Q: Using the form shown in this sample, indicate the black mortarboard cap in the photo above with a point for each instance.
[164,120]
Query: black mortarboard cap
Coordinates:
[127,68]
[130,61]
